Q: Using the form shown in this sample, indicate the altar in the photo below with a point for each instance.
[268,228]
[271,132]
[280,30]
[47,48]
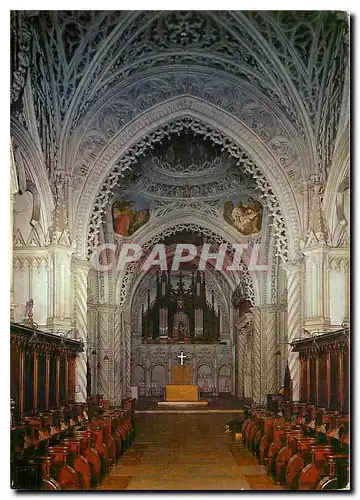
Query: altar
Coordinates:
[180,395]
[177,392]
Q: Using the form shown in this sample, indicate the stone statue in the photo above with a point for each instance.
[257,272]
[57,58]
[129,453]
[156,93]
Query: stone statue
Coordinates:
[181,332]
[181,319]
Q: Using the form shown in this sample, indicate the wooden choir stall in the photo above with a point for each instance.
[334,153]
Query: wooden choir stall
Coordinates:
[42,369]
[57,444]
[324,370]
[305,444]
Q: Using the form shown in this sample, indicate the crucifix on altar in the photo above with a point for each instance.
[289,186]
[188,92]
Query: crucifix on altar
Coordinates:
[182,356]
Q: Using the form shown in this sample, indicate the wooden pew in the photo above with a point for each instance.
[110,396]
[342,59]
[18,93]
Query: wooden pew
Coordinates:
[79,449]
[63,473]
[337,472]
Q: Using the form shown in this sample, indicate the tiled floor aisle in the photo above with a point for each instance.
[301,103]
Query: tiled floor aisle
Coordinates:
[186,452]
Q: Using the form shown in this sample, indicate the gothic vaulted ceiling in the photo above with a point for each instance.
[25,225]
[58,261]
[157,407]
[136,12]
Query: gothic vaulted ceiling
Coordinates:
[79,78]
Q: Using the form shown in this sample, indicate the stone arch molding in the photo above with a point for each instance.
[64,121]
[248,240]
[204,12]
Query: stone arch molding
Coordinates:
[127,283]
[209,121]
[126,279]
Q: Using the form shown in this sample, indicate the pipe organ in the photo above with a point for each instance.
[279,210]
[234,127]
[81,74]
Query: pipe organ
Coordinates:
[180,314]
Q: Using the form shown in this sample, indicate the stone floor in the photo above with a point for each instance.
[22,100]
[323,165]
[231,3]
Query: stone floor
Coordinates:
[187,452]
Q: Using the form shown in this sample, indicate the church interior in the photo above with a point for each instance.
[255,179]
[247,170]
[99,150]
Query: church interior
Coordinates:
[180,219]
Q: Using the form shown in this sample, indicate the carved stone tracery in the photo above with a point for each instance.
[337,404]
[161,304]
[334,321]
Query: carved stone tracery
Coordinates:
[243,160]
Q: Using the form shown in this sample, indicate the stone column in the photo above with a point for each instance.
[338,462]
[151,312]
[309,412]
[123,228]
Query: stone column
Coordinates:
[269,313]
[80,274]
[282,339]
[169,367]
[14,188]
[256,357]
[244,328]
[148,377]
[106,327]
[12,301]
[194,364]
[118,361]
[339,287]
[347,290]
[92,347]
[317,313]
[112,352]
[294,274]
[216,379]
[60,290]
[127,358]
[240,360]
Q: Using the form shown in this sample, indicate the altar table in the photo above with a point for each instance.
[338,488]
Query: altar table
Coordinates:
[182,392]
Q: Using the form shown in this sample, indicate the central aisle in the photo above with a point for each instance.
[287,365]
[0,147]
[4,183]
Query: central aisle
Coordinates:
[189,451]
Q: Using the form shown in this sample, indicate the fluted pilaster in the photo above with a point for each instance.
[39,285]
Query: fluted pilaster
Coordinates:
[80,270]
[60,290]
[317,291]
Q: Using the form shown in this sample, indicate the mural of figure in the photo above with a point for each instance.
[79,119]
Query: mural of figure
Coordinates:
[129,215]
[123,215]
[246,217]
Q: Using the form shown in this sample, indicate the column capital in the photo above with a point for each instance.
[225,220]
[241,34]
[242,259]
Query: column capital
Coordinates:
[319,248]
[105,307]
[293,266]
[81,264]
[60,248]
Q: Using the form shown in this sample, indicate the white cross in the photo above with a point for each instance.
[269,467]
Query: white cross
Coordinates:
[182,356]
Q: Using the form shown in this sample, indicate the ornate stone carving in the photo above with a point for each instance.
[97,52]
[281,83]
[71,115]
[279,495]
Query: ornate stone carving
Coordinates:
[243,160]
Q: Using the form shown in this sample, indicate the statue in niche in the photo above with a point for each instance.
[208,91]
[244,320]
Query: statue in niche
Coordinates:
[181,332]
[129,215]
[181,321]
[246,217]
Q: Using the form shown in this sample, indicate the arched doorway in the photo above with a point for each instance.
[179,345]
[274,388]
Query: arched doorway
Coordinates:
[224,380]
[204,378]
[138,379]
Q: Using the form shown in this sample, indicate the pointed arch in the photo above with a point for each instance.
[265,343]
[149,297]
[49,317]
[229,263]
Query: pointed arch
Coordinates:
[144,130]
